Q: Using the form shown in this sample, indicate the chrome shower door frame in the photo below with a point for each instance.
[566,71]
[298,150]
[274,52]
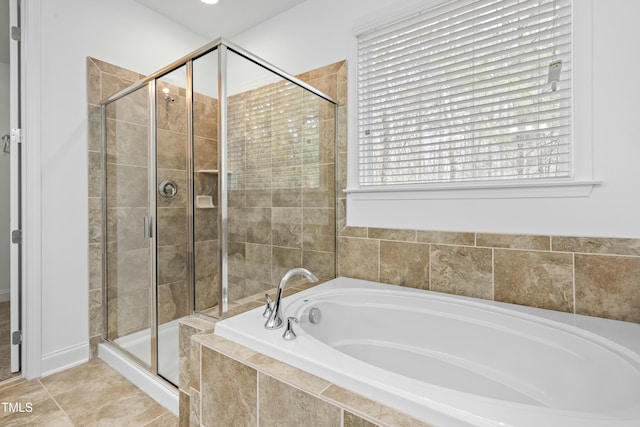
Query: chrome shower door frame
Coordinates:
[223,47]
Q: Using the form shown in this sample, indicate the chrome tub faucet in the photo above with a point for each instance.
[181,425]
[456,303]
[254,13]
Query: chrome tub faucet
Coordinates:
[275,319]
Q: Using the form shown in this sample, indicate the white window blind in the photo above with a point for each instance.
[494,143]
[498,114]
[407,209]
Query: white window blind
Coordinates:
[460,92]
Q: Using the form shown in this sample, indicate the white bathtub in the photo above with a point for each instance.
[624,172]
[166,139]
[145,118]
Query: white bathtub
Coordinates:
[457,361]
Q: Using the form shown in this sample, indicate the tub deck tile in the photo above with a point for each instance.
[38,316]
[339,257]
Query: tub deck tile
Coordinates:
[224,346]
[369,410]
[352,420]
[288,373]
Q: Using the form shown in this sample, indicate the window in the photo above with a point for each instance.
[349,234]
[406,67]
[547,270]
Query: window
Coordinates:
[466,92]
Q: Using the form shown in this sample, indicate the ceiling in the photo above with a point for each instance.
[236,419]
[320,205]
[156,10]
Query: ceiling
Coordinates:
[225,19]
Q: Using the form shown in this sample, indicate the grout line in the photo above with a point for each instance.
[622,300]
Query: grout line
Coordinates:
[54,400]
[379,267]
[12,381]
[329,384]
[430,263]
[257,398]
[573,264]
[199,345]
[157,418]
[493,274]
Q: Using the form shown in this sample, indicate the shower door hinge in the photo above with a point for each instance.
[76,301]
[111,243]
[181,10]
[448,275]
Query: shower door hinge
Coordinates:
[16,34]
[16,337]
[16,237]
[16,136]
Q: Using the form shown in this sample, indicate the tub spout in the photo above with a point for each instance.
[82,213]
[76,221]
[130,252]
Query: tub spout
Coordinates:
[275,320]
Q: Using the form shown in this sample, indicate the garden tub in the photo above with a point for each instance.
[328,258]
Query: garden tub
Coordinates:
[457,361]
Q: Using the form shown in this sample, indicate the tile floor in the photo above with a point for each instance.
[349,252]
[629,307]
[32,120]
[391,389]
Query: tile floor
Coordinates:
[92,394]
[5,341]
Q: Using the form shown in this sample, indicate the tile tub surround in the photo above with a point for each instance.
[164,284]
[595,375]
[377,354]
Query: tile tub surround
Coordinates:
[271,393]
[189,327]
[189,384]
[591,276]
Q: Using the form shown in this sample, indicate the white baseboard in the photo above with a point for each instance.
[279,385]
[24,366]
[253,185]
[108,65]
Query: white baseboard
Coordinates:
[5,295]
[65,359]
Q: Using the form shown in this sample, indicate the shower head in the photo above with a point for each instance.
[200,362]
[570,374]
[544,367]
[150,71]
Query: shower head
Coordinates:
[167,98]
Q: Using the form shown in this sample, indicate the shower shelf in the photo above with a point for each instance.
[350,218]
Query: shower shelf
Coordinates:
[204,202]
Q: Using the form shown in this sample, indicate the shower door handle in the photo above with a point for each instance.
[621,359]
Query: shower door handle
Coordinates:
[148,229]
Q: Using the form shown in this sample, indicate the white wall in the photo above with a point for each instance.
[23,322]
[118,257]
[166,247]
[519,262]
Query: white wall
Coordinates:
[4,186]
[319,32]
[121,32]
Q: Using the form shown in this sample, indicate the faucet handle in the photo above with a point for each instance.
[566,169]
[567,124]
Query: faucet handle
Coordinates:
[289,334]
[268,309]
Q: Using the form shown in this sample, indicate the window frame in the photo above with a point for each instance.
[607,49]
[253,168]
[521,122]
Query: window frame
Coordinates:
[580,184]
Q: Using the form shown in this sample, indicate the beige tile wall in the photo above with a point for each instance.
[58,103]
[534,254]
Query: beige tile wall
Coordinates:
[282,185]
[103,80]
[591,276]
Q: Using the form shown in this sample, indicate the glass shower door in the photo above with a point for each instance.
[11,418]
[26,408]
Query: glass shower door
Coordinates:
[173,201]
[127,243]
[205,181]
[280,145]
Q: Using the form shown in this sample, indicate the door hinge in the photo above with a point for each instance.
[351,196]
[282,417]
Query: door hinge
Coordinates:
[16,237]
[16,337]
[16,33]
[16,136]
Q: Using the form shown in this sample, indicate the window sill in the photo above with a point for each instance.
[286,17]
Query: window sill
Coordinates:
[476,191]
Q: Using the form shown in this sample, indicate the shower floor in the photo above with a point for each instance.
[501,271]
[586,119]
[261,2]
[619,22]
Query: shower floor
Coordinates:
[139,345]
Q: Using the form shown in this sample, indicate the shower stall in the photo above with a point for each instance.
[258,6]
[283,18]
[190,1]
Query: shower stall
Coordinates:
[218,177]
